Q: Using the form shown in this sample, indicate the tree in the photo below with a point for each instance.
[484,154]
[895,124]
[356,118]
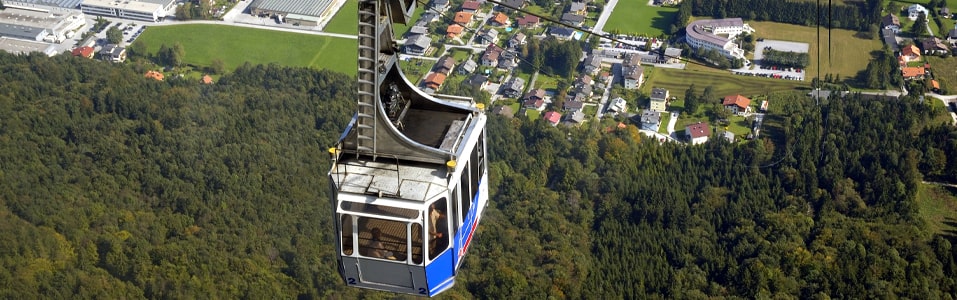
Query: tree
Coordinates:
[919,28]
[138,49]
[691,100]
[185,11]
[217,66]
[708,95]
[114,35]
[177,53]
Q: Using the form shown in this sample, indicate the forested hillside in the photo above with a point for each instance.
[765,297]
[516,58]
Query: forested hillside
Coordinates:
[117,186]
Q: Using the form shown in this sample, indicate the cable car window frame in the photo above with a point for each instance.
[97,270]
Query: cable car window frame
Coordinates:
[446,236]
[351,235]
[405,243]
[379,210]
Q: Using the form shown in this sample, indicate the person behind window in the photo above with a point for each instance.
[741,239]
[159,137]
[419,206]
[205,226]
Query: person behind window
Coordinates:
[377,249]
[434,215]
[440,240]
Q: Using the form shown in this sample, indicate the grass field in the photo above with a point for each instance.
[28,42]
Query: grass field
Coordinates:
[945,71]
[345,21]
[635,16]
[938,206]
[236,45]
[723,82]
[849,54]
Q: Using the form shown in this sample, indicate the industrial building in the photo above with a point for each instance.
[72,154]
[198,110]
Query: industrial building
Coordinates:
[146,10]
[302,12]
[17,46]
[40,25]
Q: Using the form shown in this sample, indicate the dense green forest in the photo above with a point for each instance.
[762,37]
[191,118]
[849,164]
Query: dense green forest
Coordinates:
[117,186]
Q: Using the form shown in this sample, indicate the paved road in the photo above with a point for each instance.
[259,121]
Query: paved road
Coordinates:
[604,96]
[940,183]
[672,122]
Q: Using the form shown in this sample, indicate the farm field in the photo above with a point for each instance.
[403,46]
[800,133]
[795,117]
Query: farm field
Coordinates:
[848,53]
[236,45]
[636,17]
[723,82]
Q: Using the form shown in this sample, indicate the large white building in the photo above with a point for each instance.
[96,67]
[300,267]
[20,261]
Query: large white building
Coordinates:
[146,10]
[718,34]
[40,25]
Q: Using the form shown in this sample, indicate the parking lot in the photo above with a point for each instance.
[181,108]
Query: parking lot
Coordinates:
[757,69]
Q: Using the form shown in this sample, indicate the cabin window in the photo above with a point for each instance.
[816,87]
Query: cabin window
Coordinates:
[346,226]
[383,239]
[438,223]
[417,243]
[475,165]
[381,210]
[465,197]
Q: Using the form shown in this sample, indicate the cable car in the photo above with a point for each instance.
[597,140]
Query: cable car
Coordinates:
[409,174]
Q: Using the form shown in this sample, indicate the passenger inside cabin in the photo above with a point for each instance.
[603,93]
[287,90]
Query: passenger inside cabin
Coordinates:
[440,237]
[377,249]
[435,214]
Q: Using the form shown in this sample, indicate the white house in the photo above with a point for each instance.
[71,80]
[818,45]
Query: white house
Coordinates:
[697,133]
[915,10]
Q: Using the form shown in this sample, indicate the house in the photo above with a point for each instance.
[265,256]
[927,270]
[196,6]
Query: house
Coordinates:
[912,72]
[462,18]
[618,105]
[650,120]
[578,8]
[575,118]
[934,85]
[503,110]
[572,106]
[508,4]
[764,106]
[84,51]
[909,53]
[206,79]
[892,22]
[528,22]
[154,75]
[697,133]
[499,19]
[514,87]
[417,30]
[488,36]
[573,19]
[113,52]
[604,76]
[454,31]
[534,103]
[434,80]
[477,81]
[737,104]
[471,6]
[552,117]
[467,67]
[517,40]
[728,136]
[671,56]
[490,57]
[659,99]
[952,35]
[915,10]
[634,76]
[945,12]
[561,32]
[417,45]
[934,46]
[535,94]
[440,5]
[445,65]
[890,38]
[591,65]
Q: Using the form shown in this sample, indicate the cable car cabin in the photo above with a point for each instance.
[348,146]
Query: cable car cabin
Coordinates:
[409,176]
[404,225]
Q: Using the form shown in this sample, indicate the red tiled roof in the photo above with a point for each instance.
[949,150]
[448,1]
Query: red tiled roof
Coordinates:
[935,84]
[697,130]
[454,30]
[528,20]
[206,79]
[737,100]
[910,50]
[435,78]
[500,18]
[472,5]
[910,72]
[154,74]
[553,117]
[462,17]
[85,51]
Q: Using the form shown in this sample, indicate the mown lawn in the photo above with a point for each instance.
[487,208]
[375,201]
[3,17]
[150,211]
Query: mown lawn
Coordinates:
[202,43]
[346,20]
[636,17]
[848,53]
[723,82]
[938,206]
[944,72]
